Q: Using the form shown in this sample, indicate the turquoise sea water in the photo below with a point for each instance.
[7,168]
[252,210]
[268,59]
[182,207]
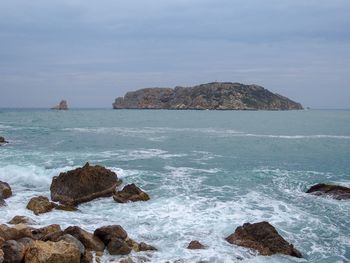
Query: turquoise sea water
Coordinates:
[207,172]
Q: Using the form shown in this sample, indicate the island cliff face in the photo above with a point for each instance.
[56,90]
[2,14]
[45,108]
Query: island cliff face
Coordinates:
[212,96]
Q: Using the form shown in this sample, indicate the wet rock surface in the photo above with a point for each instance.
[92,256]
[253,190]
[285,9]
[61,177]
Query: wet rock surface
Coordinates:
[21,220]
[264,238]
[130,193]
[2,140]
[5,190]
[83,185]
[40,205]
[334,191]
[90,241]
[195,244]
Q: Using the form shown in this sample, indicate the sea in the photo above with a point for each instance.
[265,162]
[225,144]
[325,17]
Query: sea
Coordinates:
[207,172]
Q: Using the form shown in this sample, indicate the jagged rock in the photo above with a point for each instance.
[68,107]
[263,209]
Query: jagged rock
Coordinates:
[52,252]
[2,140]
[61,106]
[40,205]
[83,184]
[87,257]
[106,233]
[9,233]
[215,96]
[70,239]
[21,220]
[263,238]
[118,246]
[195,244]
[90,241]
[130,193]
[13,251]
[5,190]
[145,247]
[41,233]
[335,191]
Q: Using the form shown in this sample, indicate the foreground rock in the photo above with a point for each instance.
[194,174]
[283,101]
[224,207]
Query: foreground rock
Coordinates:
[214,96]
[61,106]
[130,193]
[40,205]
[335,191]
[263,238]
[52,252]
[83,185]
[195,244]
[5,190]
[13,251]
[90,241]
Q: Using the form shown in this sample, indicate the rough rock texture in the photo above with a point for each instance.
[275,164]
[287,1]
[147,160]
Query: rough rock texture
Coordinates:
[5,190]
[1,256]
[214,96]
[335,191]
[106,233]
[90,241]
[21,220]
[195,244]
[83,184]
[13,251]
[118,246]
[40,205]
[52,252]
[130,193]
[2,202]
[263,238]
[40,233]
[61,106]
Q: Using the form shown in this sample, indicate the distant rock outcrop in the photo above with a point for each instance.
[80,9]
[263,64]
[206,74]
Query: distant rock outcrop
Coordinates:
[212,96]
[61,106]
[334,191]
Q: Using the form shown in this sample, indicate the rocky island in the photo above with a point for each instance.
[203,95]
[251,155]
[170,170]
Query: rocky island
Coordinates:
[211,96]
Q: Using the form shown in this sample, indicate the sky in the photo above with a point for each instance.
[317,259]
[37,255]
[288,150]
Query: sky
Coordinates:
[90,52]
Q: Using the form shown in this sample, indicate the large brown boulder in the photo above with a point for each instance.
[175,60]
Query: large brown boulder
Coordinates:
[130,193]
[83,184]
[40,205]
[90,241]
[106,233]
[13,251]
[334,191]
[263,238]
[5,190]
[52,252]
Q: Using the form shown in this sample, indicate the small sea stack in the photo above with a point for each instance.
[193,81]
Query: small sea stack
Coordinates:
[61,106]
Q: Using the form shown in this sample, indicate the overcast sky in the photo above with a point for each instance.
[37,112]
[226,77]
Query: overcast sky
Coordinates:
[90,51]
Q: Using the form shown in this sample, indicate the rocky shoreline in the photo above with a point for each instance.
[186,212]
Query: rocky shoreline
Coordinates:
[210,96]
[21,242]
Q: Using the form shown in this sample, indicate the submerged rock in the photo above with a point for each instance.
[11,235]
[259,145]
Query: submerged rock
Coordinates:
[195,244]
[130,193]
[5,190]
[2,140]
[263,238]
[214,96]
[40,205]
[61,106]
[83,184]
[335,191]
[52,252]
[2,202]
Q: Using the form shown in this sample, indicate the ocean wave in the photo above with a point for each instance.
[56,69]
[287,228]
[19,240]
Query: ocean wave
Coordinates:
[317,136]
